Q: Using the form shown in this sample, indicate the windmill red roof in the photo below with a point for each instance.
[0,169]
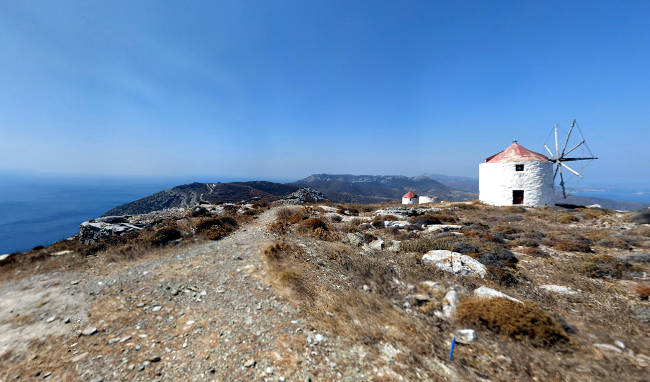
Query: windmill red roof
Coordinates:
[516,153]
[409,195]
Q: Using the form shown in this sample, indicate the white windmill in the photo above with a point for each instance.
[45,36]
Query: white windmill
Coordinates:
[562,156]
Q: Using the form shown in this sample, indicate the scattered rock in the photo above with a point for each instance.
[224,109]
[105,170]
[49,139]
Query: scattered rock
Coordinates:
[395,246]
[636,257]
[316,339]
[61,253]
[250,363]
[355,238]
[620,344]
[485,292]
[558,289]
[377,245]
[303,195]
[396,223]
[89,331]
[454,262]
[79,357]
[642,313]
[449,303]
[417,299]
[466,336]
[154,359]
[51,319]
[442,227]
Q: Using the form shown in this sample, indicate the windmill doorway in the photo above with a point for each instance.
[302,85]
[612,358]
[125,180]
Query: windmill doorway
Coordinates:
[517,196]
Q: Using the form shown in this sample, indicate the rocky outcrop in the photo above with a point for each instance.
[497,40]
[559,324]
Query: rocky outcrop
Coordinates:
[303,195]
[454,262]
[109,227]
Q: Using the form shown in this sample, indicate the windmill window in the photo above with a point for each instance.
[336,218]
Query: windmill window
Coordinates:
[519,167]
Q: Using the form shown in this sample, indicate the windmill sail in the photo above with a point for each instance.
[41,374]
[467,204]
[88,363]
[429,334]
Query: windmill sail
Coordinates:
[562,156]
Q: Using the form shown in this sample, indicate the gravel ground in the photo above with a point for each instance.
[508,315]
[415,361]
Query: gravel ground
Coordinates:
[203,313]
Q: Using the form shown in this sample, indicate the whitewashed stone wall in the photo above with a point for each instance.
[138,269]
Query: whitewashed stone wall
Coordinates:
[409,200]
[498,180]
[425,199]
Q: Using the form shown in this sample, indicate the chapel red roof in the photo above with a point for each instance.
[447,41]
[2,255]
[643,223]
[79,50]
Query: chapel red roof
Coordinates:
[516,153]
[409,195]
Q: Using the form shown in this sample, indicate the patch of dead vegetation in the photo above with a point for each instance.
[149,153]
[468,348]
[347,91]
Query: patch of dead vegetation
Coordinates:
[512,319]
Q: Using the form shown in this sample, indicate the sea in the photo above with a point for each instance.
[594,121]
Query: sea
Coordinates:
[43,209]
[37,209]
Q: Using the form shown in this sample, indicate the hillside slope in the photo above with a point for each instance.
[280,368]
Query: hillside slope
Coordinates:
[378,188]
[191,194]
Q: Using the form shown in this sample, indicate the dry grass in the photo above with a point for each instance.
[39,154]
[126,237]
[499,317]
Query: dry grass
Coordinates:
[567,219]
[512,319]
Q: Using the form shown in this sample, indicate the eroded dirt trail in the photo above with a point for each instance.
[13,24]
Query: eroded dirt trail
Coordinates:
[202,313]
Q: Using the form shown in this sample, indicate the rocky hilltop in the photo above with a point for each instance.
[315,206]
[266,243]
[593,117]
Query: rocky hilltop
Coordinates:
[321,291]
[339,188]
[188,195]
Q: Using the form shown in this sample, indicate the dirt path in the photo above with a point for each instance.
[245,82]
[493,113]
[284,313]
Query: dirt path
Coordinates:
[204,313]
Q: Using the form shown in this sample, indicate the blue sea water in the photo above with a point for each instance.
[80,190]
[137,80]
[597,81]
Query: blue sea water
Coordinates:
[41,209]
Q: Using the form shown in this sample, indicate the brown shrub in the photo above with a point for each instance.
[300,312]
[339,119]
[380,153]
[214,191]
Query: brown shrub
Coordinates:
[568,242]
[594,213]
[164,235]
[535,252]
[215,228]
[336,218]
[515,209]
[282,251]
[314,223]
[425,244]
[512,319]
[643,291]
[216,232]
[605,266]
[567,219]
[505,229]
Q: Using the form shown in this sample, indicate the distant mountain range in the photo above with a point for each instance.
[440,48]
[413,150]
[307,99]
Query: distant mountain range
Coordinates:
[337,188]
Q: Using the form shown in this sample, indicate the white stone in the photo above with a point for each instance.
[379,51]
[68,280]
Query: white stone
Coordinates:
[376,244]
[498,180]
[608,348]
[442,227]
[396,223]
[454,262]
[449,304]
[466,336]
[558,289]
[485,292]
[61,253]
[355,238]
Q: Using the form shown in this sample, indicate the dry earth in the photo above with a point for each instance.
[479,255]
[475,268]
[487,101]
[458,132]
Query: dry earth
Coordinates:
[218,311]
[205,313]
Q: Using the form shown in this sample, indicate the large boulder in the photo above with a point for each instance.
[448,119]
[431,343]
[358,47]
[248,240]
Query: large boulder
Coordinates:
[102,229]
[454,262]
[641,217]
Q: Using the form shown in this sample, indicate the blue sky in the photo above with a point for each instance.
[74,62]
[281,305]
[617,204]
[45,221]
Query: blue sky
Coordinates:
[283,89]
